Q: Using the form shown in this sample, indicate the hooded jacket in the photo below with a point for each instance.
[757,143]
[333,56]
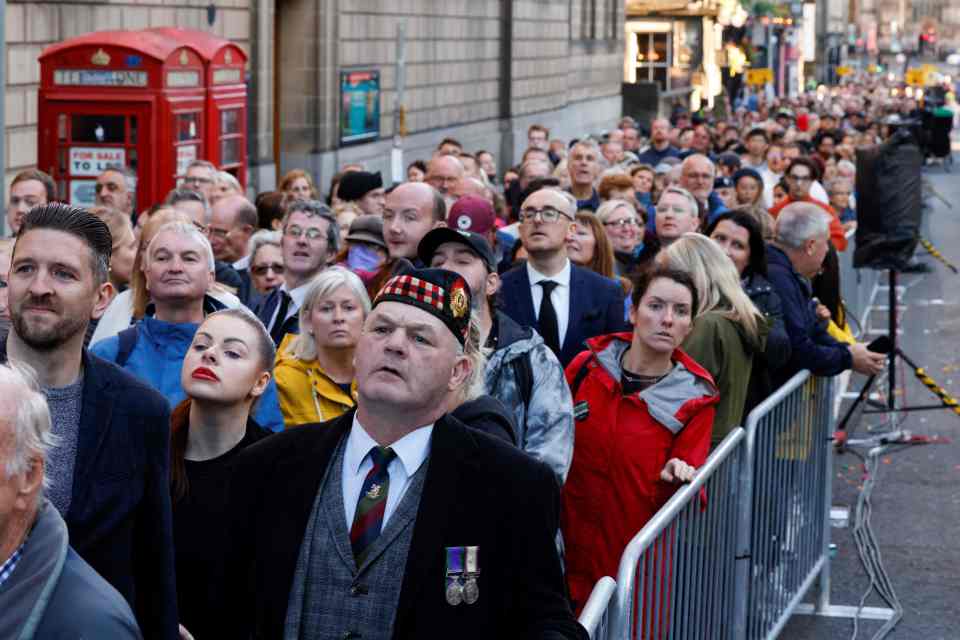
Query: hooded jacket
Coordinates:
[53,593]
[725,349]
[622,445]
[544,424]
[307,394]
[157,359]
[776,352]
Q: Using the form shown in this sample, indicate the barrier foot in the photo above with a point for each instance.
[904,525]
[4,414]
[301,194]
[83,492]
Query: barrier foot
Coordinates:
[844,611]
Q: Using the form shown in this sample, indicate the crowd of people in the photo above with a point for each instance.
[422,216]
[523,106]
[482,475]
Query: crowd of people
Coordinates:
[374,411]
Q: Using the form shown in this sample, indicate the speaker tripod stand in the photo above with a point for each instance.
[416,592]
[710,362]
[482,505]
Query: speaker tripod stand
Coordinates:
[891,347]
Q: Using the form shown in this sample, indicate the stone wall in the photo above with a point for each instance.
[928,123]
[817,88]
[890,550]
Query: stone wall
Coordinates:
[32,26]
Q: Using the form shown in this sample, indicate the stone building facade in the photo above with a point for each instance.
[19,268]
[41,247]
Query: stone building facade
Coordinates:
[481,71]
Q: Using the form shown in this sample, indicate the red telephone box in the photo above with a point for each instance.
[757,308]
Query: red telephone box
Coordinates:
[226,98]
[141,99]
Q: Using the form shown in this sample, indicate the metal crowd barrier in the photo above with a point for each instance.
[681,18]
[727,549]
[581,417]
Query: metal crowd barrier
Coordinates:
[595,616]
[784,511]
[676,577]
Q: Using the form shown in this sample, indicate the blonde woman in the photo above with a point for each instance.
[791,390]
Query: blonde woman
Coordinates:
[314,372]
[729,330]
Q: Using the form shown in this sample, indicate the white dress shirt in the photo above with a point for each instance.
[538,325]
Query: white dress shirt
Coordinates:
[560,297]
[242,264]
[412,449]
[297,296]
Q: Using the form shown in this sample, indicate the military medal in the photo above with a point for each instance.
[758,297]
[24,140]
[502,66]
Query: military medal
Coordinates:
[471,591]
[454,588]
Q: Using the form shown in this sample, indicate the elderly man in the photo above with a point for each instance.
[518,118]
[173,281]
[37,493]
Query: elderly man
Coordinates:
[178,269]
[30,188]
[443,173]
[233,220]
[697,175]
[115,189]
[796,255]
[311,238]
[105,483]
[565,302]
[412,209]
[583,165]
[396,520]
[522,372]
[44,584]
[660,147]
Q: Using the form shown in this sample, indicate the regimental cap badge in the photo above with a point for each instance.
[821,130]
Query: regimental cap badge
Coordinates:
[458,302]
[100,58]
[184,58]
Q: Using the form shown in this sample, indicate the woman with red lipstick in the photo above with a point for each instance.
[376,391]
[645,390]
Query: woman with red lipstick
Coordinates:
[315,374]
[225,371]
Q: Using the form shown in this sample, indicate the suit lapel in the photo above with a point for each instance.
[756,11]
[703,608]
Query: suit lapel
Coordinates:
[451,443]
[521,299]
[575,307]
[95,415]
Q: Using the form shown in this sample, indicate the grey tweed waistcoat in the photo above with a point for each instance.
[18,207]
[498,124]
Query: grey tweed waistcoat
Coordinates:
[331,597]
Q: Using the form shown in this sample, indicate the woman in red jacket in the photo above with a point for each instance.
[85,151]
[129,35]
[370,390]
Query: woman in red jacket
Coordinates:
[644,412]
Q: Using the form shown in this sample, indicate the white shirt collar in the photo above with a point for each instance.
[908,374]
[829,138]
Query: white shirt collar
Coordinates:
[242,264]
[562,278]
[412,449]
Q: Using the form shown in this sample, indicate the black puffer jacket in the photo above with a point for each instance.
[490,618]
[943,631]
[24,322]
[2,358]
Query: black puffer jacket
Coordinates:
[489,415]
[777,351]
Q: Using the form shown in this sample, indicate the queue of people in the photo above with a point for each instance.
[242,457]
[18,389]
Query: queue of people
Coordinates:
[383,411]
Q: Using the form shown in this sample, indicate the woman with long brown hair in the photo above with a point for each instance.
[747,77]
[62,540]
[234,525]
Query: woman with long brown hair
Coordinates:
[225,372]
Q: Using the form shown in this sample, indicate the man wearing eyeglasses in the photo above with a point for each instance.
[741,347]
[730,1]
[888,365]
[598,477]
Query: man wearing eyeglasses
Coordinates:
[801,174]
[565,303]
[200,177]
[233,220]
[310,239]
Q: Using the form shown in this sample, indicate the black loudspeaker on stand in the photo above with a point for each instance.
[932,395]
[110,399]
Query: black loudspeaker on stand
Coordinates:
[889,212]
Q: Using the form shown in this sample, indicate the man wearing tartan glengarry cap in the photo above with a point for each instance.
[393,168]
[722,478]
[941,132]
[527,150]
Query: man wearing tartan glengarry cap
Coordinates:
[397,520]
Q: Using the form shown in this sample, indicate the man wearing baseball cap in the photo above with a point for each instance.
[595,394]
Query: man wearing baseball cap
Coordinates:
[396,520]
[522,372]
[476,214]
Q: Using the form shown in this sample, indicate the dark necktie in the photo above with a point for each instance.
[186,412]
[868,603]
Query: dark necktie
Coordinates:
[547,321]
[277,332]
[368,518]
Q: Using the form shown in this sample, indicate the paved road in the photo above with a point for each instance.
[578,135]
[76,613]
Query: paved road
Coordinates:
[916,514]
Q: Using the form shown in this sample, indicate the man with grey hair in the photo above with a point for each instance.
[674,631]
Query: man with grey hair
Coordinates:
[311,238]
[44,585]
[443,173]
[397,515]
[233,220]
[201,176]
[115,188]
[566,303]
[583,165]
[801,243]
[696,176]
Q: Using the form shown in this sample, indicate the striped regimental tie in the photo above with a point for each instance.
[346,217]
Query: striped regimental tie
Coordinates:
[368,519]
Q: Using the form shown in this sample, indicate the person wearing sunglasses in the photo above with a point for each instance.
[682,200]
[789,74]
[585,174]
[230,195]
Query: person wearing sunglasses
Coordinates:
[310,239]
[266,262]
[566,303]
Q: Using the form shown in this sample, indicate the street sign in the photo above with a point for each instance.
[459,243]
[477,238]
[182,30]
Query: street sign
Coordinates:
[759,76]
[916,77]
[844,71]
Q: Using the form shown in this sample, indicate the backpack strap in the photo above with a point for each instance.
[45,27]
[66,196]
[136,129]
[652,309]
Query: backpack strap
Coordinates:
[128,340]
[579,378]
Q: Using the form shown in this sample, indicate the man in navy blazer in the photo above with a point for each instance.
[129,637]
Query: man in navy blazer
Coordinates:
[109,473]
[581,304]
[310,238]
